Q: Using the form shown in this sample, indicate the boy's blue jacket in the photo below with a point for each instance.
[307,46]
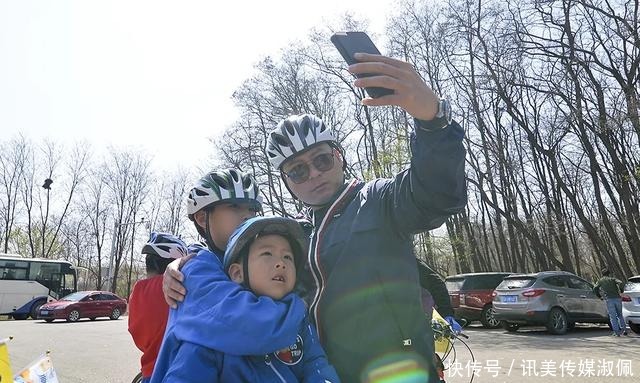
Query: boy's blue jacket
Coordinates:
[219,321]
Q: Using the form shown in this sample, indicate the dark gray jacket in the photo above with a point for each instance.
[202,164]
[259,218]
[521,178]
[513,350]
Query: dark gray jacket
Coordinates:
[365,295]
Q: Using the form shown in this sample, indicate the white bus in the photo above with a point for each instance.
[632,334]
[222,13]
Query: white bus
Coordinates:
[27,283]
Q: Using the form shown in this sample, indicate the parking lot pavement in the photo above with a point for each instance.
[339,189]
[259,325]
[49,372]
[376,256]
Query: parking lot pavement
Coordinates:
[99,351]
[531,355]
[102,351]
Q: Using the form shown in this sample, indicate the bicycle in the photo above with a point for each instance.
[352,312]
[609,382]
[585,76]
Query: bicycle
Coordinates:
[444,338]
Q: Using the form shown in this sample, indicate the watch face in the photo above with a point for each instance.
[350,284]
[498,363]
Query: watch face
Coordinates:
[444,110]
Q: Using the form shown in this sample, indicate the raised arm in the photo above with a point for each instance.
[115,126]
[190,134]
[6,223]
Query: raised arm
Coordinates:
[423,196]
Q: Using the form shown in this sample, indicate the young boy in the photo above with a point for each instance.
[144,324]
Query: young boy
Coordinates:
[217,204]
[262,256]
[148,311]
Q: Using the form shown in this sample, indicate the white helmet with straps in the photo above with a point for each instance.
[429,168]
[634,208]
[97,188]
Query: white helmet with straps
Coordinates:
[165,245]
[227,185]
[295,134]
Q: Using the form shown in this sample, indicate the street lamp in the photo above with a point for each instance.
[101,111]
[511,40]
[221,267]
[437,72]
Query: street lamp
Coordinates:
[47,186]
[116,225]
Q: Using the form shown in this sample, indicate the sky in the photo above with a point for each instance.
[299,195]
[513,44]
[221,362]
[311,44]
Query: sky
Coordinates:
[154,76]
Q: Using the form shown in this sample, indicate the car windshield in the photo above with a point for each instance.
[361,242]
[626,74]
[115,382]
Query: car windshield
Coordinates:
[75,297]
[516,283]
[632,285]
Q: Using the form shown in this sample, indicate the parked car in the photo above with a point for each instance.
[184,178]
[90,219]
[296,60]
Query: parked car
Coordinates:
[555,299]
[84,304]
[631,303]
[471,298]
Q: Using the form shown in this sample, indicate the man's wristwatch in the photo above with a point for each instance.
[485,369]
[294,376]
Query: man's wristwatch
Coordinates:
[442,119]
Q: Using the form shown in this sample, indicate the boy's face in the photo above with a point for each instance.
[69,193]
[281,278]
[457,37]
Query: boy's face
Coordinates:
[272,270]
[224,219]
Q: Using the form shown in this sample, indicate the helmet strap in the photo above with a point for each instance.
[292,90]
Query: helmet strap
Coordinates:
[245,272]
[207,236]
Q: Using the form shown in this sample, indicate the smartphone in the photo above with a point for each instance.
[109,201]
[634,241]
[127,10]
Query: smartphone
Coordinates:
[350,43]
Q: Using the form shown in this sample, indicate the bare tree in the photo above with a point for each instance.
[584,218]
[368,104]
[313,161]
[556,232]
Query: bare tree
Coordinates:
[12,161]
[126,176]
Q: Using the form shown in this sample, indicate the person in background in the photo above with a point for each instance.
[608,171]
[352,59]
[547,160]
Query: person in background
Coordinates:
[609,289]
[435,295]
[148,311]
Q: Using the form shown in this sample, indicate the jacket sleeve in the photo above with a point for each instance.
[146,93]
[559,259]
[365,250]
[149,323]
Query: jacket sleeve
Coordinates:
[432,282]
[421,197]
[316,367]
[192,363]
[596,289]
[219,314]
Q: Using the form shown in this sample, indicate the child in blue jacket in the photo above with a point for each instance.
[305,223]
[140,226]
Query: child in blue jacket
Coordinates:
[261,256]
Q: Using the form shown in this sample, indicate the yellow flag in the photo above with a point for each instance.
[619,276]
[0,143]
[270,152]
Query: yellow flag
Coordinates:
[5,366]
[443,345]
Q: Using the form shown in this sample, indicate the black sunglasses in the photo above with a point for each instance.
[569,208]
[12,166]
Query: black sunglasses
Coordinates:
[300,173]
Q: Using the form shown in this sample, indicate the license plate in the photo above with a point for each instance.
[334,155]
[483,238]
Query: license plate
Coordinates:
[44,312]
[509,298]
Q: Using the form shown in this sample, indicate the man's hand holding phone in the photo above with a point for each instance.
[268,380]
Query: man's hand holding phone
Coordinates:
[387,81]
[410,92]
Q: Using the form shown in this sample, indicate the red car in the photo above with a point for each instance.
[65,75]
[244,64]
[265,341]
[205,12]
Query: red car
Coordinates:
[471,297]
[84,304]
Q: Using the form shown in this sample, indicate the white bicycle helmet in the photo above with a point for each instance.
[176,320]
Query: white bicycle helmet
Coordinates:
[228,185]
[295,134]
[165,245]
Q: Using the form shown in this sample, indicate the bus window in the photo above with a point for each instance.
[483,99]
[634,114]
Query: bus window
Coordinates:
[40,271]
[13,269]
[68,285]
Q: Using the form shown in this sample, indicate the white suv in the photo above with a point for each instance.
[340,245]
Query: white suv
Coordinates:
[631,303]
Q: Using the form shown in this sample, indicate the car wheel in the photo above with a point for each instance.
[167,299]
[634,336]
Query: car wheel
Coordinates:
[635,327]
[35,309]
[115,314]
[557,323]
[48,320]
[488,318]
[511,327]
[73,316]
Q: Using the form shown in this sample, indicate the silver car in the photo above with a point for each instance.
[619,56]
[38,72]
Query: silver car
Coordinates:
[555,299]
[631,303]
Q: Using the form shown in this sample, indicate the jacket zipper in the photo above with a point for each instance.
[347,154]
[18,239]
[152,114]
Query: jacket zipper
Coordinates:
[314,254]
[267,360]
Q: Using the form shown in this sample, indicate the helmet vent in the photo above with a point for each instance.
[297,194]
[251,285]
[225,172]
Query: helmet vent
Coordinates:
[234,174]
[289,127]
[246,182]
[280,140]
[220,181]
